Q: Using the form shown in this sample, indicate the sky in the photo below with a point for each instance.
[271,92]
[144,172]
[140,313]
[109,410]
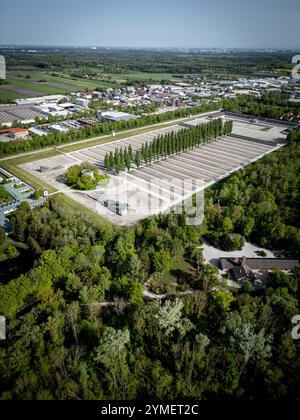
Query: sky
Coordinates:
[151,23]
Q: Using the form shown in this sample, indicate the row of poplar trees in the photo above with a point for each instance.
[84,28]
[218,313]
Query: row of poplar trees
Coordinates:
[166,145]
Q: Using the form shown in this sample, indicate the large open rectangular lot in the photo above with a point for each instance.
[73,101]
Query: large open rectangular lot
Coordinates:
[166,183]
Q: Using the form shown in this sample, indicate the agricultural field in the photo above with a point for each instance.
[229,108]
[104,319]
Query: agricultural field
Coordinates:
[40,84]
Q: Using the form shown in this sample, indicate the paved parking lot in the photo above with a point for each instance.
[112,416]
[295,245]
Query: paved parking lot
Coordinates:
[163,184]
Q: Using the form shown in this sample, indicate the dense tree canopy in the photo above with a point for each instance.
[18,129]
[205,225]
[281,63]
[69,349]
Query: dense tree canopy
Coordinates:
[261,203]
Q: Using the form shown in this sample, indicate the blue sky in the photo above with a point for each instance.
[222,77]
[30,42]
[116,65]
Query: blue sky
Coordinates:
[152,23]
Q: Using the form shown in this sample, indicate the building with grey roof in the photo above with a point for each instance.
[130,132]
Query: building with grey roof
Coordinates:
[243,269]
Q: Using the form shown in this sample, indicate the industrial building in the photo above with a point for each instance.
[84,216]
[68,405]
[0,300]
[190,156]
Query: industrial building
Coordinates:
[52,109]
[82,102]
[40,100]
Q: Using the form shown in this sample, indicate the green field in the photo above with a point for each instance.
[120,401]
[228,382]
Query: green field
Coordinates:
[42,88]
[7,95]
[143,76]
[75,205]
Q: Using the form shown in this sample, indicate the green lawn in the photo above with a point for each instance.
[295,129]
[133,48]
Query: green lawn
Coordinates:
[64,83]
[75,205]
[42,88]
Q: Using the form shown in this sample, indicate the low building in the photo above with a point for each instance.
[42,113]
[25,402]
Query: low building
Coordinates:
[255,269]
[114,116]
[59,128]
[116,207]
[97,95]
[8,175]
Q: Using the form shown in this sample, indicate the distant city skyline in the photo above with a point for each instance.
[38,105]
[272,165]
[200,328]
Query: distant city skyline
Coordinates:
[260,24]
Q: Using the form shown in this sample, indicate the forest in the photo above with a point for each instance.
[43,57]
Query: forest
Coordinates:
[79,326]
[261,202]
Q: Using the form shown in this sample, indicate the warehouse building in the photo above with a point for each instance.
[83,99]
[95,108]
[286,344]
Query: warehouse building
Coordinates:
[82,102]
[25,114]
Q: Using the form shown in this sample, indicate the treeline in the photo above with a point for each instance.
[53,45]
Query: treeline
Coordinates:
[56,138]
[167,145]
[100,62]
